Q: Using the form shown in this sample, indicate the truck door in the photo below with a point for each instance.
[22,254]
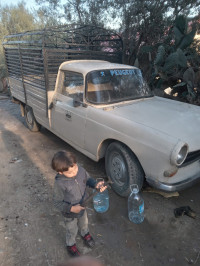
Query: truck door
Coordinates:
[68,121]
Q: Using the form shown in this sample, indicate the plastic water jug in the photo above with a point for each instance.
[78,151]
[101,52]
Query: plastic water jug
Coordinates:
[101,201]
[135,205]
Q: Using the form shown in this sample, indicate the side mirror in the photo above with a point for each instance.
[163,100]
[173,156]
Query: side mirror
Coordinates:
[76,103]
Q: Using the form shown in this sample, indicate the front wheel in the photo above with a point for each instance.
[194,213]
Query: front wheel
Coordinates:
[123,168]
[30,119]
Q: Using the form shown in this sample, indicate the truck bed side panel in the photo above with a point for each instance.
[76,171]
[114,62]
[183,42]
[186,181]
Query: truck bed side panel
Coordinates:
[17,90]
[36,98]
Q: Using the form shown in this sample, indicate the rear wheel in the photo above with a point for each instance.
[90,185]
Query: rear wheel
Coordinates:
[30,119]
[123,168]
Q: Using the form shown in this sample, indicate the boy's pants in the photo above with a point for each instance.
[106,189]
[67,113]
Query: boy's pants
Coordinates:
[72,227]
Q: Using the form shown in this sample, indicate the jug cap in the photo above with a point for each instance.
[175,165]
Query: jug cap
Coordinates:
[134,188]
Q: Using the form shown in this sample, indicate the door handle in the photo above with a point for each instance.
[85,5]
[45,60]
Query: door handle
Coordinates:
[68,115]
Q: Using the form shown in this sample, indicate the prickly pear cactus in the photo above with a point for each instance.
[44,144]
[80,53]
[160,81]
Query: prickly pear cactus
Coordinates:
[171,62]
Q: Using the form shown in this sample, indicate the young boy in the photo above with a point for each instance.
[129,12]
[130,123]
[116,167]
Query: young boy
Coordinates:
[69,193]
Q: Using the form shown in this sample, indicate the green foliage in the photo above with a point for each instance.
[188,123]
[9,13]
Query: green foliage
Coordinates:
[181,24]
[187,40]
[49,14]
[142,24]
[171,63]
[176,59]
[16,19]
[146,49]
[160,55]
[73,11]
[183,39]
[13,19]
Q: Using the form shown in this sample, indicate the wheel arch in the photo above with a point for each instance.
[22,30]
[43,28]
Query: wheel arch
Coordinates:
[104,145]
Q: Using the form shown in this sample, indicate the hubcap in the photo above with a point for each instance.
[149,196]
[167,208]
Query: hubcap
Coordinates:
[118,169]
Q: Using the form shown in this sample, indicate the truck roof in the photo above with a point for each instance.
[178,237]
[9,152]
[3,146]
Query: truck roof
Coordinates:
[85,66]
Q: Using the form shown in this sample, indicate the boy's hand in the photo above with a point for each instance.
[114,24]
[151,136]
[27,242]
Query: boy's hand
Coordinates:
[100,186]
[77,208]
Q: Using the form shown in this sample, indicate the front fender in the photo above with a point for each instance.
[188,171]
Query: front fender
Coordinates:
[152,148]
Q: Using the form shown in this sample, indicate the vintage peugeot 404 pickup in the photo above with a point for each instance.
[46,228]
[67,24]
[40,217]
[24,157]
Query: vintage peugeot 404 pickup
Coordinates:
[107,110]
[103,109]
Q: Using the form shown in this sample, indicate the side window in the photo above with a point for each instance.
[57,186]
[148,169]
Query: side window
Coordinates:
[73,85]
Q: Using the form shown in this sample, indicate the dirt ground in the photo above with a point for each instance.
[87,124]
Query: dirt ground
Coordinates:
[32,233]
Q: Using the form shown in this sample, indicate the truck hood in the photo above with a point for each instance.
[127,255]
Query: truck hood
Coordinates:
[177,119]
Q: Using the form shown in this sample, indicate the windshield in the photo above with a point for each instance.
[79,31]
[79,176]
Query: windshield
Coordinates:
[115,85]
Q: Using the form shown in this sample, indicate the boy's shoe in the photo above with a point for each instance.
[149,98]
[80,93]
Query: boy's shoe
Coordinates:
[89,241]
[73,251]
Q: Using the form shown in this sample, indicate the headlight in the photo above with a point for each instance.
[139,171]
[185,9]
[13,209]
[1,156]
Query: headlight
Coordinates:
[179,153]
[182,155]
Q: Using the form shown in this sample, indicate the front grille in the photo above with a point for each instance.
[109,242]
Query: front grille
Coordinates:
[191,158]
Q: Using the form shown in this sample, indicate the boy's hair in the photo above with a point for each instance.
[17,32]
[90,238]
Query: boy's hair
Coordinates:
[62,160]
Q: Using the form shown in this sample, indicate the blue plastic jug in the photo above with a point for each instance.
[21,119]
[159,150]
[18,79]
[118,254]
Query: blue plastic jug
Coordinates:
[101,201]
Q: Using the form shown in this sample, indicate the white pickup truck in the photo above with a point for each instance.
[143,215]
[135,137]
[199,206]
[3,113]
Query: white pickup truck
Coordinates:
[106,110]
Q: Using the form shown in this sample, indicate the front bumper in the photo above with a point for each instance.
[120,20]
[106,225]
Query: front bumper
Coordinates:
[174,186]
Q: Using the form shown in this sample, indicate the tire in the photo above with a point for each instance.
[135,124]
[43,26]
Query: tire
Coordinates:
[123,168]
[31,122]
